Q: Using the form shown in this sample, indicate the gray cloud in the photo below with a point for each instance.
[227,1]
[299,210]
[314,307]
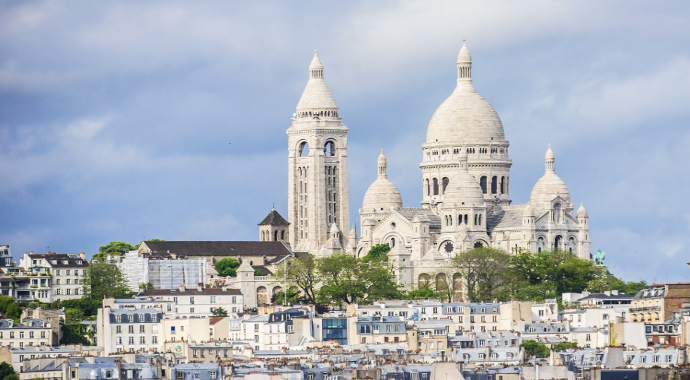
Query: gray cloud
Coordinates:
[116,118]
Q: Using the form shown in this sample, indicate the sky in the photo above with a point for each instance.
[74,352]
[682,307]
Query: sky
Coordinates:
[134,120]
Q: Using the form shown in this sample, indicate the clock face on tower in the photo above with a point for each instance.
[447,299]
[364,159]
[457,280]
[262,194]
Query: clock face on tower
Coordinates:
[448,247]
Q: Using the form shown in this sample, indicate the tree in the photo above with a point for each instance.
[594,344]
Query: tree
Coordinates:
[292,296]
[561,346]
[258,272]
[347,279]
[535,348]
[6,369]
[485,273]
[301,272]
[421,292]
[548,274]
[104,280]
[219,312]
[74,315]
[378,252]
[227,267]
[115,248]
[75,333]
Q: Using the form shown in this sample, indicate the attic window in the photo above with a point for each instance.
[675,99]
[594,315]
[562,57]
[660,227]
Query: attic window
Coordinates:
[393,225]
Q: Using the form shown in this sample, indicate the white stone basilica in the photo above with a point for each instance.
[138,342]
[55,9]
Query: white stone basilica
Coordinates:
[465,183]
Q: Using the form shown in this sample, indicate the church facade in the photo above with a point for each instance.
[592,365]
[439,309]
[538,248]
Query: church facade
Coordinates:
[465,179]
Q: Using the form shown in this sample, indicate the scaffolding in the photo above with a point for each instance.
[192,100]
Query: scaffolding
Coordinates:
[162,274]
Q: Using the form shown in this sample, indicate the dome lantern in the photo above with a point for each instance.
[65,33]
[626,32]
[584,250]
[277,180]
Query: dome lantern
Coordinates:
[464,63]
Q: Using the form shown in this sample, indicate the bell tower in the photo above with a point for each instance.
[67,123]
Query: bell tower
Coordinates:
[318,194]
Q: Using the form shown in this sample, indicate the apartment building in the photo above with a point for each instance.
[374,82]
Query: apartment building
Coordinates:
[379,330]
[253,330]
[121,330]
[59,274]
[657,303]
[432,335]
[199,301]
[32,332]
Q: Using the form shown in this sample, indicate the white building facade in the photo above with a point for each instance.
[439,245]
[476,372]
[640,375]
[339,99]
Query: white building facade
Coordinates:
[465,179]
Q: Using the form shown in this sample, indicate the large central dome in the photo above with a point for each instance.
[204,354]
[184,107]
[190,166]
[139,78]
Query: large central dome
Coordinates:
[465,116]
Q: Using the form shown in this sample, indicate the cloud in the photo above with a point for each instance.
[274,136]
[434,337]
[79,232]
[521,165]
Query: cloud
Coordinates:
[165,119]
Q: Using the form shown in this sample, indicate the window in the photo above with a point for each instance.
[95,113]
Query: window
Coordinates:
[118,329]
[435,186]
[142,340]
[482,184]
[142,328]
[191,309]
[67,273]
[43,334]
[130,318]
[154,339]
[131,329]
[131,340]
[119,340]
[191,300]
[213,373]
[57,272]
[588,337]
[213,299]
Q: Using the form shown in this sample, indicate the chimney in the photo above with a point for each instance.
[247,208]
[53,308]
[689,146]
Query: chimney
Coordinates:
[82,255]
[614,292]
[607,292]
[182,288]
[200,287]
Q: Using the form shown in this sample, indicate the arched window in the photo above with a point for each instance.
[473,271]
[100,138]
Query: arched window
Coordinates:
[503,185]
[540,244]
[465,218]
[445,184]
[304,149]
[423,280]
[392,242]
[282,235]
[460,219]
[275,236]
[494,185]
[478,244]
[482,183]
[428,187]
[558,242]
[435,186]
[329,149]
[475,219]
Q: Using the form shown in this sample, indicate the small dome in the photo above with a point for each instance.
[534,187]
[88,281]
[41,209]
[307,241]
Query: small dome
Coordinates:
[334,228]
[549,185]
[581,212]
[546,189]
[465,116]
[382,194]
[549,154]
[316,95]
[316,62]
[463,189]
[464,55]
[382,159]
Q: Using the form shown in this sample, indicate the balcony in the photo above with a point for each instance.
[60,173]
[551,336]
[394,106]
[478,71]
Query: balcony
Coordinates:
[643,309]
